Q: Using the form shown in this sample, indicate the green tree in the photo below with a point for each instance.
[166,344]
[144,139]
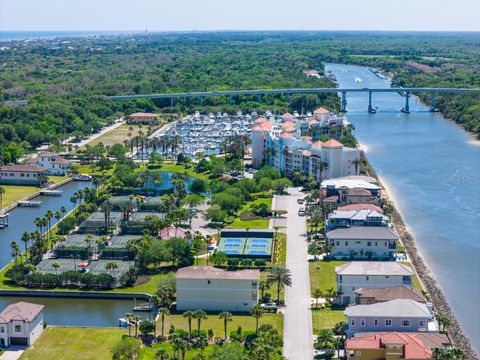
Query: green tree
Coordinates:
[163,312]
[189,315]
[257,312]
[317,294]
[199,315]
[281,277]
[226,317]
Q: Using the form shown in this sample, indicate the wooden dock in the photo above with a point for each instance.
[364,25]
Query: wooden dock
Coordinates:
[29,203]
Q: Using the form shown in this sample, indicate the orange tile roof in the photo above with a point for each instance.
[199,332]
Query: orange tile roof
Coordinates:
[321,110]
[287,115]
[260,120]
[257,127]
[317,144]
[356,207]
[332,143]
[288,123]
[285,135]
[313,122]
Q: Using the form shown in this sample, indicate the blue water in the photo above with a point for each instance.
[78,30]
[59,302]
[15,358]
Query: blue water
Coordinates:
[432,168]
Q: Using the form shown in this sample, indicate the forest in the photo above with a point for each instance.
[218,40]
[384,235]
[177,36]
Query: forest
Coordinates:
[65,80]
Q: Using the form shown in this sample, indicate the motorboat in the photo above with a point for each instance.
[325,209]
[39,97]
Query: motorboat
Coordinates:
[83,177]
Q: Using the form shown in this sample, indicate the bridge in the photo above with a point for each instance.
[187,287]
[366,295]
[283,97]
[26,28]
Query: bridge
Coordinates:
[406,92]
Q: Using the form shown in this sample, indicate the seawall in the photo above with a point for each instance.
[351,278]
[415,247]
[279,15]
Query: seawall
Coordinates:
[75,294]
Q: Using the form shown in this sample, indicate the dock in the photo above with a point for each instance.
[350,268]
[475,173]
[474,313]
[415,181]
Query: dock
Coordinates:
[146,306]
[51,192]
[3,219]
[29,203]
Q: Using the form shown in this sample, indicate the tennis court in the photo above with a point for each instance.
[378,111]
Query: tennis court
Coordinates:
[246,243]
[79,240]
[97,267]
[46,266]
[120,241]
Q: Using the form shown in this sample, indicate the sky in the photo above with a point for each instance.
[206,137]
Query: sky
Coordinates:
[186,15]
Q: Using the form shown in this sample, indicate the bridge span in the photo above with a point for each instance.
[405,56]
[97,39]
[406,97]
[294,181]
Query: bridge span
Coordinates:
[406,92]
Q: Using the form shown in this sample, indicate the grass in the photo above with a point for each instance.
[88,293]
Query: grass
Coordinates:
[74,343]
[416,281]
[14,193]
[273,288]
[57,179]
[322,274]
[326,319]
[181,169]
[148,353]
[246,321]
[252,224]
[118,135]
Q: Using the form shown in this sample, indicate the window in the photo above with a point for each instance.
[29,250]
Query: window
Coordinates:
[369,243]
[367,277]
[352,322]
[338,243]
[405,323]
[346,243]
[385,243]
[362,322]
[359,353]
[388,322]
[423,323]
[2,329]
[208,281]
[18,328]
[376,243]
[375,322]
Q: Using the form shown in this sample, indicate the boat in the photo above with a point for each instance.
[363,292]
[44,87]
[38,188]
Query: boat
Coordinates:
[358,80]
[83,177]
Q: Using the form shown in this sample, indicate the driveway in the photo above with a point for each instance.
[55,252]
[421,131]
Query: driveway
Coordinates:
[13,352]
[297,331]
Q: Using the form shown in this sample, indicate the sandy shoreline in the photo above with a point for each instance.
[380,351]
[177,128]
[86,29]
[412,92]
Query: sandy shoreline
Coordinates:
[428,281]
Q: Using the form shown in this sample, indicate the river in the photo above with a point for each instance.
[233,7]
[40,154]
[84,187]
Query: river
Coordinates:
[431,168]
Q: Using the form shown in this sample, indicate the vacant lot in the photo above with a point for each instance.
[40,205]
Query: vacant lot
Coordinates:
[71,343]
[322,274]
[326,319]
[119,134]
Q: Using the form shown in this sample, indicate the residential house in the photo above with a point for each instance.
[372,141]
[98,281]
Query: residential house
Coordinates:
[402,315]
[23,175]
[346,218]
[142,118]
[363,242]
[367,296]
[394,346]
[370,274]
[21,323]
[54,163]
[212,289]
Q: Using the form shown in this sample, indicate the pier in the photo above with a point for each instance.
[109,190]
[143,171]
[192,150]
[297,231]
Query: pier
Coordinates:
[51,192]
[29,203]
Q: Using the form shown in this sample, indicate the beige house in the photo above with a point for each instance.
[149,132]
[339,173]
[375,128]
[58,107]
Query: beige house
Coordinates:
[142,118]
[212,289]
[20,324]
[22,174]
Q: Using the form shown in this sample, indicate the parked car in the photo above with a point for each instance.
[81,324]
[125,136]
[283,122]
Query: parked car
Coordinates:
[301,211]
[300,200]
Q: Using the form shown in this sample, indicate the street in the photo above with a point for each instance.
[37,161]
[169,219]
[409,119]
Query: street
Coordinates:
[297,331]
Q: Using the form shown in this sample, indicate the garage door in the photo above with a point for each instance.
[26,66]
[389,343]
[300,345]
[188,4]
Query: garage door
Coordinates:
[18,341]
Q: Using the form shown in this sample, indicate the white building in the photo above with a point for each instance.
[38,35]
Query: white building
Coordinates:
[54,163]
[370,274]
[22,174]
[211,289]
[403,315]
[363,242]
[289,146]
[20,324]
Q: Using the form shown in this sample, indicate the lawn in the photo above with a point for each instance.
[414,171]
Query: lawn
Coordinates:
[252,224]
[322,274]
[74,343]
[273,288]
[246,321]
[118,135]
[148,353]
[15,193]
[416,281]
[181,169]
[326,319]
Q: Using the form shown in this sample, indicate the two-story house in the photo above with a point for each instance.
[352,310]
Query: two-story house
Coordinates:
[212,289]
[23,175]
[370,274]
[364,217]
[20,324]
[403,315]
[54,163]
[363,242]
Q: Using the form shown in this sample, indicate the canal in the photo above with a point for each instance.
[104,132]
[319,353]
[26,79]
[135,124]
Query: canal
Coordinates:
[431,168]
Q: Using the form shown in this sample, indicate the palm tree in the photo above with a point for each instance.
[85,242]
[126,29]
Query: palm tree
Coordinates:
[63,210]
[88,240]
[161,354]
[26,237]
[2,191]
[356,163]
[443,322]
[15,250]
[263,286]
[136,319]
[48,217]
[163,312]
[226,316]
[111,265]
[316,294]
[189,316]
[106,209]
[57,215]
[199,315]
[281,277]
[257,312]
[129,317]
[56,266]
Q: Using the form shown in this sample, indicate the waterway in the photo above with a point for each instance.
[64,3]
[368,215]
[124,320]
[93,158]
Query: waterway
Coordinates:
[431,168]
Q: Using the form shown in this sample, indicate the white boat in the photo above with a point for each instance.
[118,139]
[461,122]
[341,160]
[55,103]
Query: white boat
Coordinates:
[358,80]
[82,177]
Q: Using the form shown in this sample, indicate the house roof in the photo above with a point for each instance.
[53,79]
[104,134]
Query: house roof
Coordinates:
[170,232]
[142,114]
[350,183]
[394,308]
[417,346]
[391,293]
[47,153]
[321,110]
[287,115]
[363,233]
[332,144]
[23,311]
[210,272]
[260,120]
[317,144]
[285,135]
[356,207]
[359,192]
[374,268]
[23,168]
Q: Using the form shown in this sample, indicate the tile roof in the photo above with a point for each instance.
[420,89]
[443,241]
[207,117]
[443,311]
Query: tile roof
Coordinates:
[170,232]
[394,308]
[317,144]
[23,311]
[23,168]
[359,192]
[138,114]
[287,115]
[210,272]
[260,120]
[47,153]
[332,144]
[374,268]
[391,293]
[363,233]
[285,135]
[356,207]
[321,110]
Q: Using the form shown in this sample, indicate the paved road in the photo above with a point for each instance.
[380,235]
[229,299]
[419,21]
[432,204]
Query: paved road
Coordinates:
[13,352]
[297,331]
